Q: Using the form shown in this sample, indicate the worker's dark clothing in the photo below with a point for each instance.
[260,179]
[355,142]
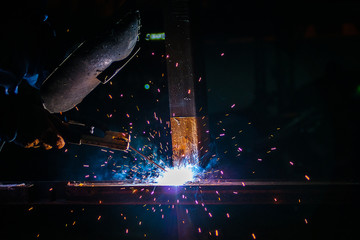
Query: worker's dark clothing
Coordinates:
[28,53]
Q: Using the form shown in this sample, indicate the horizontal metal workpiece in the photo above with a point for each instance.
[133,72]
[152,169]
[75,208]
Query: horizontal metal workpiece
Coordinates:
[204,192]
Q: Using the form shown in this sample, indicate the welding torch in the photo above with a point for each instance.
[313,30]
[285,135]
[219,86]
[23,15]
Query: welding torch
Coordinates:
[78,133]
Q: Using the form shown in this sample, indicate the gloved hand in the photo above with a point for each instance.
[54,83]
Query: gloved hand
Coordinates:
[38,128]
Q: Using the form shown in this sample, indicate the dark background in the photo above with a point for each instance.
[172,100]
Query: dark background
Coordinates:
[292,72]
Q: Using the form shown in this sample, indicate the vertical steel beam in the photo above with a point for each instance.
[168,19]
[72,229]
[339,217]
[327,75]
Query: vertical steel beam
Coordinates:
[186,126]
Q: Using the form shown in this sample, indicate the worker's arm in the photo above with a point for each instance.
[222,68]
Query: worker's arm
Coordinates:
[26,53]
[27,123]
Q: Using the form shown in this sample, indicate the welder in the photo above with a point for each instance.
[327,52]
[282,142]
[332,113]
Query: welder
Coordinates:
[40,75]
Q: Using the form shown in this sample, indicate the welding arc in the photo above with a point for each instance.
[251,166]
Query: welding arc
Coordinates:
[147,158]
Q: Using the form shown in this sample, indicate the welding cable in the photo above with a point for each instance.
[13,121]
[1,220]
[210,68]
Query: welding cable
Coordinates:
[2,143]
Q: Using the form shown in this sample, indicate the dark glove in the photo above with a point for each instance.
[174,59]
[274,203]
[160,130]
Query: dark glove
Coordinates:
[36,128]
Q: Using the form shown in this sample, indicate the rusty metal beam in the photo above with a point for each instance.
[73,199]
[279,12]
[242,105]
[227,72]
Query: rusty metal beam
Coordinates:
[205,192]
[189,133]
